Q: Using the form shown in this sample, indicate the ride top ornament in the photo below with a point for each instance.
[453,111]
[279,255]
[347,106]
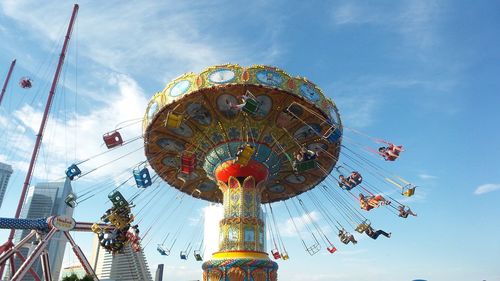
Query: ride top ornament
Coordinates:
[225,110]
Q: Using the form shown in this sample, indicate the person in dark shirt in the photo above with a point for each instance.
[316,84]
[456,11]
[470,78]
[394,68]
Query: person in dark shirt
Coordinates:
[375,234]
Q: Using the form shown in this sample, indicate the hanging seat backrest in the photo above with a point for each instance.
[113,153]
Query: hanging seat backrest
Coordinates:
[142,178]
[331,249]
[173,120]
[188,162]
[118,221]
[357,178]
[117,199]
[73,171]
[276,254]
[306,165]
[96,228]
[197,255]
[251,106]
[284,256]
[112,139]
[245,155]
[162,251]
[362,227]
[70,200]
[409,192]
[183,255]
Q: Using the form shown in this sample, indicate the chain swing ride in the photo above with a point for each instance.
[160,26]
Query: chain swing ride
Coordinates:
[243,137]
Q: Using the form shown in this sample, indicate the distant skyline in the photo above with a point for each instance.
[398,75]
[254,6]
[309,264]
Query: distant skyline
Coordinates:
[43,200]
[419,73]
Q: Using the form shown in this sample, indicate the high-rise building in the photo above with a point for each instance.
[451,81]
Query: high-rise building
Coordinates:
[125,266]
[5,173]
[45,200]
[159,272]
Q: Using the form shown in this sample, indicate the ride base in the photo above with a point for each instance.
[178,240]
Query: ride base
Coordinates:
[241,255]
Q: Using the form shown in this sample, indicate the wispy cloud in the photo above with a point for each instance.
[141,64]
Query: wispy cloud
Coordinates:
[349,13]
[81,134]
[413,20]
[487,188]
[164,40]
[288,229]
[427,176]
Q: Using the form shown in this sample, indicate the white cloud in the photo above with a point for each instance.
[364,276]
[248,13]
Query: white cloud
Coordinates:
[287,229]
[427,176]
[357,112]
[147,37]
[80,135]
[486,188]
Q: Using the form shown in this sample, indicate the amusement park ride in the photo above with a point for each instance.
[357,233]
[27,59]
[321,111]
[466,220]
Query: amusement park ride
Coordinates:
[245,137]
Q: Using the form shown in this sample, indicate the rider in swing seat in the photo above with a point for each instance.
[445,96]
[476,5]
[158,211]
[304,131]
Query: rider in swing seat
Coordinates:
[391,152]
[375,234]
[369,202]
[346,237]
[403,212]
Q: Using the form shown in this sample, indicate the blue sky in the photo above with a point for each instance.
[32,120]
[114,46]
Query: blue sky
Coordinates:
[420,73]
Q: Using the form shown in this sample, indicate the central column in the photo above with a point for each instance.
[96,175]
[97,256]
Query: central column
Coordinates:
[242,255]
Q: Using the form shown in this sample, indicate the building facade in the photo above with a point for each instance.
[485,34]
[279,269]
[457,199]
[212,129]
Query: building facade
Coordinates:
[45,200]
[126,266]
[5,173]
[159,272]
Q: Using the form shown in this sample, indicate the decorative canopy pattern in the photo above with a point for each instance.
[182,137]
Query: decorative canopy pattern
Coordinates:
[194,115]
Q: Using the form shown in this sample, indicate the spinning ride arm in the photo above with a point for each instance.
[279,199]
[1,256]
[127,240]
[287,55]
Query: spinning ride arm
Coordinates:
[36,224]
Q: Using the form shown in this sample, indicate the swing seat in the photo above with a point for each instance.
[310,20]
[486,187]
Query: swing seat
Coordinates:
[135,247]
[142,178]
[331,249]
[112,139]
[96,228]
[25,83]
[117,199]
[71,200]
[284,256]
[197,256]
[329,129]
[409,192]
[357,178]
[390,158]
[313,249]
[188,162]
[162,251]
[276,254]
[335,136]
[73,171]
[132,237]
[244,156]
[118,221]
[183,255]
[344,239]
[306,165]
[251,106]
[173,120]
[362,227]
